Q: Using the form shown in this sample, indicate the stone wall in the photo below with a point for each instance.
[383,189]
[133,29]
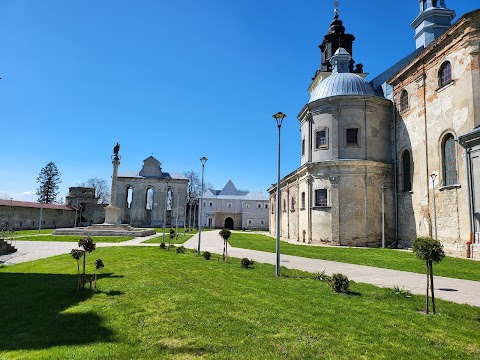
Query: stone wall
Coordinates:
[23,218]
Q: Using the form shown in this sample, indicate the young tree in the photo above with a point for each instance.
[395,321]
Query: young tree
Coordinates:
[430,251]
[98,266]
[102,189]
[88,245]
[225,234]
[49,178]
[77,254]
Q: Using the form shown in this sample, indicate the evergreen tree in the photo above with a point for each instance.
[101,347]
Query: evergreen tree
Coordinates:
[48,179]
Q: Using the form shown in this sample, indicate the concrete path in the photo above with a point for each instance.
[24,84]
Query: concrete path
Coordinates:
[456,290]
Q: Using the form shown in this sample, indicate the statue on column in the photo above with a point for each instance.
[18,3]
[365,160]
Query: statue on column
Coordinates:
[116,149]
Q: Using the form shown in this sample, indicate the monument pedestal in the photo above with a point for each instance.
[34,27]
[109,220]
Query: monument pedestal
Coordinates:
[111,215]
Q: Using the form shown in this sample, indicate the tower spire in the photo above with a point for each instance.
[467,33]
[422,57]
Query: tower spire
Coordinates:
[432,20]
[336,38]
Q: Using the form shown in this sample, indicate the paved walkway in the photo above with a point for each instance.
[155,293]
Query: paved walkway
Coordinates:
[456,290]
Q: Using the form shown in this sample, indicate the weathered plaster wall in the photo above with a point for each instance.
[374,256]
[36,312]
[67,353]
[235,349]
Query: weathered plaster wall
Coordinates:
[433,113]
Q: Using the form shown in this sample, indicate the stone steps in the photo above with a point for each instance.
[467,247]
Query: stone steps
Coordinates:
[6,248]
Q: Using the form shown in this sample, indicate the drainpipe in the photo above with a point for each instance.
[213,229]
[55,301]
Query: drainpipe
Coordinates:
[365,130]
[470,205]
[395,185]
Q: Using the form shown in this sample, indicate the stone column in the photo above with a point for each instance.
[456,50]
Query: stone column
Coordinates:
[111,211]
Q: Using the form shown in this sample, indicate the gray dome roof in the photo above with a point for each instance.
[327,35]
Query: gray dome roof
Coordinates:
[341,84]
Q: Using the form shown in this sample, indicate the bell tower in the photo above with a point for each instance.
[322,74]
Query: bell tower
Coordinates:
[433,19]
[333,40]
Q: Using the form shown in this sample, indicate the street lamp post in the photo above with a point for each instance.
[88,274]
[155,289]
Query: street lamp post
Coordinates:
[176,220]
[165,217]
[203,160]
[278,118]
[434,176]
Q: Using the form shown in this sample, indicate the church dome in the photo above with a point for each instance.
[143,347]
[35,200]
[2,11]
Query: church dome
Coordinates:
[341,84]
[341,81]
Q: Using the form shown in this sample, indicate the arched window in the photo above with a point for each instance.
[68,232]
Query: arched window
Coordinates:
[149,199]
[406,171]
[449,161]
[445,74]
[129,197]
[404,100]
[170,199]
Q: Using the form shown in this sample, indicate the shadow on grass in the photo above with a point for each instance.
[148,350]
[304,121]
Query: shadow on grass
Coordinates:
[35,312]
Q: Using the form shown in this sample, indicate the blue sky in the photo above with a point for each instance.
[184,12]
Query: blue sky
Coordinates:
[176,79]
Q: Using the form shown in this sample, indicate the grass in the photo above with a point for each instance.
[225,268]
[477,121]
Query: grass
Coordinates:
[34,232]
[75,238]
[180,230]
[381,258]
[179,240]
[155,304]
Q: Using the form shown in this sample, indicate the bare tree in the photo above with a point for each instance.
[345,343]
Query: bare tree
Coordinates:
[194,185]
[4,196]
[102,189]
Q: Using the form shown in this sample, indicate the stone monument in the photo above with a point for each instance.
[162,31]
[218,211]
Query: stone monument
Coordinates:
[111,211]
[111,226]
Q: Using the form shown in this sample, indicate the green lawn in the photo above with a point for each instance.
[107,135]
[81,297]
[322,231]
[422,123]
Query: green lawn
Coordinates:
[75,238]
[180,230]
[34,232]
[156,304]
[179,240]
[382,258]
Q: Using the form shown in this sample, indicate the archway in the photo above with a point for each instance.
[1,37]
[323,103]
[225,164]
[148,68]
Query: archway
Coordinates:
[229,223]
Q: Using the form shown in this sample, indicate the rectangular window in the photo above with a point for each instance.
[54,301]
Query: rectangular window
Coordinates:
[321,139]
[321,197]
[211,204]
[262,222]
[303,200]
[266,206]
[250,222]
[303,147]
[259,205]
[352,136]
[247,205]
[229,205]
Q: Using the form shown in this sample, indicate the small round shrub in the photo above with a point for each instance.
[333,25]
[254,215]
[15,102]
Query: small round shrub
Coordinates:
[207,255]
[180,250]
[163,246]
[339,283]
[245,263]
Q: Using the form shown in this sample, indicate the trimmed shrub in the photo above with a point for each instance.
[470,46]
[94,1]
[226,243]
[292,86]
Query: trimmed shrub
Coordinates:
[163,246]
[245,263]
[207,255]
[339,283]
[180,250]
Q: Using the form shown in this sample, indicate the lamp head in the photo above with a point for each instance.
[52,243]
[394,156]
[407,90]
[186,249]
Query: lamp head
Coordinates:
[203,160]
[279,118]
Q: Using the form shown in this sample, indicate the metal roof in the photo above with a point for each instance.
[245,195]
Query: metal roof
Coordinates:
[35,205]
[134,174]
[341,84]
[470,139]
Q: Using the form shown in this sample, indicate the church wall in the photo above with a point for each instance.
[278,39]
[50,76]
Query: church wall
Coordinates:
[433,113]
[137,215]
